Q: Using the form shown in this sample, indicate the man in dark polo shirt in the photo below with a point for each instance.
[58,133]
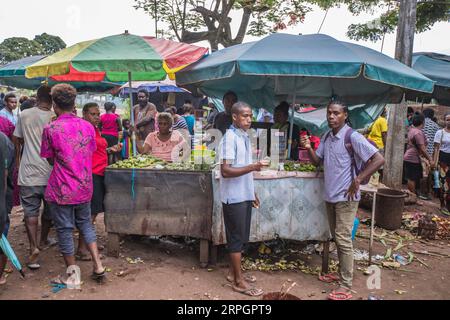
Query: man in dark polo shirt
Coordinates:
[223,120]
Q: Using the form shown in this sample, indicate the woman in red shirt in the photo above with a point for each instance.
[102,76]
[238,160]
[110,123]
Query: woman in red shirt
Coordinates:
[110,125]
[91,113]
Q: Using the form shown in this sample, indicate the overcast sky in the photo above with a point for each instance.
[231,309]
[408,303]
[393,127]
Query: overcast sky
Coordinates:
[79,20]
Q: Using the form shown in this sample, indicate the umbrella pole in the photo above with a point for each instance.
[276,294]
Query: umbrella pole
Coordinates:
[291,128]
[133,136]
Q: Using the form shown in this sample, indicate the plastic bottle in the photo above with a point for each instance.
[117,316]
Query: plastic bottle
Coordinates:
[355,227]
[400,259]
[436,179]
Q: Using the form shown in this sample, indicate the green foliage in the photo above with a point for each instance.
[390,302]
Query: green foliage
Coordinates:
[271,16]
[126,113]
[428,13]
[50,44]
[17,47]
[260,17]
[211,19]
[172,14]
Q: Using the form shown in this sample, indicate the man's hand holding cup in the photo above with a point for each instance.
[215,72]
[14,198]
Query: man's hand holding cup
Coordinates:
[305,142]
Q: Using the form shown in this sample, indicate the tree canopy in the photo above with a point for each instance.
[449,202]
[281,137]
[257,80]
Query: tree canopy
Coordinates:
[429,12]
[50,44]
[193,21]
[18,47]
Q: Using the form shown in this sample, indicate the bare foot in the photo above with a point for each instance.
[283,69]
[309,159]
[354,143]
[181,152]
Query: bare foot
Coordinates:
[244,288]
[3,280]
[247,277]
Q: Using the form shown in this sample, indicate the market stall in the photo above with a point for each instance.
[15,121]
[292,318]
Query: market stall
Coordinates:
[154,199]
[292,208]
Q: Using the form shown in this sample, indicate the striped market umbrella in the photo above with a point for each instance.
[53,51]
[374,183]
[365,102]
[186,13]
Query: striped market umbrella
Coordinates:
[118,58]
[113,58]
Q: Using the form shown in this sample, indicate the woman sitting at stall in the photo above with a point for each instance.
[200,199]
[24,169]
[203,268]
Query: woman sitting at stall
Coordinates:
[281,118]
[165,144]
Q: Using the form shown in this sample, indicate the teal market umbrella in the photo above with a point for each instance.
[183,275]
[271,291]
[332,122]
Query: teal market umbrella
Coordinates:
[13,73]
[10,254]
[308,68]
[435,66]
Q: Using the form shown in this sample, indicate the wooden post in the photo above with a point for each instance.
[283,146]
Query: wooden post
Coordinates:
[204,253]
[394,148]
[372,226]
[326,257]
[213,254]
[113,244]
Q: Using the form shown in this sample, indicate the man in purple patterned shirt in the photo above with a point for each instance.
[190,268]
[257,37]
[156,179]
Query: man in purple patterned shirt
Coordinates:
[68,144]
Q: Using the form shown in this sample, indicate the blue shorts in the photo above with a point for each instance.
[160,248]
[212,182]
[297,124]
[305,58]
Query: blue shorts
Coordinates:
[66,218]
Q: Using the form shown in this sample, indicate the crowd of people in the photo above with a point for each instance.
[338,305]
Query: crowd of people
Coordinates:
[55,162]
[427,157]
[61,161]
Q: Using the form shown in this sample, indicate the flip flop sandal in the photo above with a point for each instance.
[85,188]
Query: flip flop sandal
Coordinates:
[8,270]
[247,277]
[329,278]
[57,281]
[340,295]
[252,291]
[33,266]
[56,287]
[99,277]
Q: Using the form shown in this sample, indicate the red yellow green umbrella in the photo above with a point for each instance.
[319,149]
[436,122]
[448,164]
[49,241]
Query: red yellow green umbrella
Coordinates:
[112,58]
[118,58]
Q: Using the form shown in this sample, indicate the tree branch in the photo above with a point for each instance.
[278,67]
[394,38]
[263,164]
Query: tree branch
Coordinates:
[243,27]
[192,37]
[173,24]
[208,16]
[226,8]
[216,9]
[208,13]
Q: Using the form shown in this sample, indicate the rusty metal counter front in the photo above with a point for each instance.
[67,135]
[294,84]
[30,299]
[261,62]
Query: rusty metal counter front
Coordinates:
[157,202]
[292,207]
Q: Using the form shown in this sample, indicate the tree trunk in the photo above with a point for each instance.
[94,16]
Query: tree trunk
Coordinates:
[396,126]
[214,45]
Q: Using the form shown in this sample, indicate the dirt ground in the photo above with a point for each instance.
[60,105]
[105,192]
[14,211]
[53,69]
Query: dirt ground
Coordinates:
[170,270]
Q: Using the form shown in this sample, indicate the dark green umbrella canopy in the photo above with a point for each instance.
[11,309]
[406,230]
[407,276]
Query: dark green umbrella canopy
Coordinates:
[13,75]
[315,67]
[435,66]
